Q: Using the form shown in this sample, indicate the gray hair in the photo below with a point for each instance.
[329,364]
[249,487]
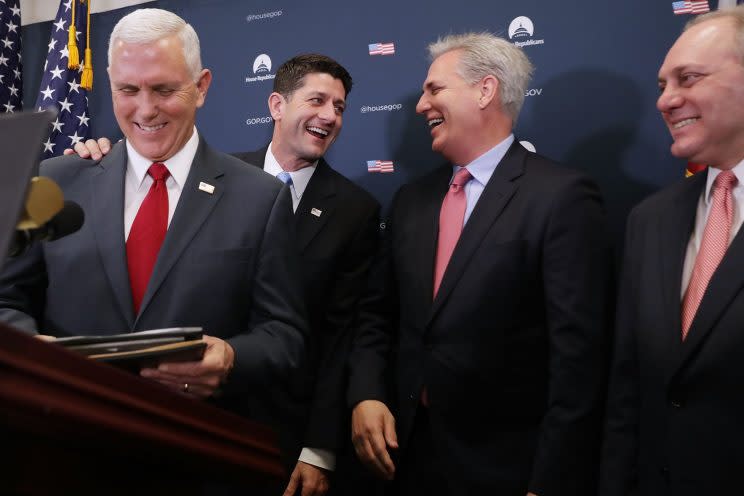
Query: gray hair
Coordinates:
[735,14]
[145,26]
[486,54]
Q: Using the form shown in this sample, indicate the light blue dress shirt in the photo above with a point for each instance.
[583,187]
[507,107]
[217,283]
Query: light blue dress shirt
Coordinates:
[482,169]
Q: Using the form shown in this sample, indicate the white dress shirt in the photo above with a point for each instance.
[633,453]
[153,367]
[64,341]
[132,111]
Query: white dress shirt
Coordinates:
[137,181]
[701,218]
[314,456]
[300,178]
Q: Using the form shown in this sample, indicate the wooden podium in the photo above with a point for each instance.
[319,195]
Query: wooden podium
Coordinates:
[70,425]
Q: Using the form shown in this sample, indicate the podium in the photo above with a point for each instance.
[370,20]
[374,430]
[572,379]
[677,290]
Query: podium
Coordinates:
[70,425]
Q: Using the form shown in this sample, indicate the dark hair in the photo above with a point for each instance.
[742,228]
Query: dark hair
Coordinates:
[290,74]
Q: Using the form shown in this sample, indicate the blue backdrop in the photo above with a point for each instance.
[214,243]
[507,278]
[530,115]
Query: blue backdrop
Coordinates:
[591,104]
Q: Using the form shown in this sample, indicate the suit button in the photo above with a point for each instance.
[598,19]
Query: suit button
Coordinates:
[676,402]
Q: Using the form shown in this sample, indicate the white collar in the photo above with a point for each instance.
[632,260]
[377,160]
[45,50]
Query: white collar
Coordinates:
[300,178]
[178,165]
[713,172]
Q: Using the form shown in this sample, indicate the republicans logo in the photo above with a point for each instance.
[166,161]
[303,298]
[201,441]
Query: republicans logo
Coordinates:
[262,64]
[261,69]
[521,31]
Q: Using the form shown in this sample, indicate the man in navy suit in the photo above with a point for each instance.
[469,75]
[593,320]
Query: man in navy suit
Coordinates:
[495,275]
[675,405]
[224,263]
[337,233]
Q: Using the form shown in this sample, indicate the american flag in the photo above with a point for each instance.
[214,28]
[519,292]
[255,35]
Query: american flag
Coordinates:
[60,86]
[11,85]
[691,7]
[382,48]
[380,166]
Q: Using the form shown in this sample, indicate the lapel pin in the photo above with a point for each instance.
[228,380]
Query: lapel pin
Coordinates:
[206,187]
[316,212]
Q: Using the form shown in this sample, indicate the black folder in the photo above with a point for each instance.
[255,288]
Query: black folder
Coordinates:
[137,350]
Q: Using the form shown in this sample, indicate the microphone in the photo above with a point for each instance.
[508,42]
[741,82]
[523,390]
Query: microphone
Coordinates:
[44,200]
[69,220]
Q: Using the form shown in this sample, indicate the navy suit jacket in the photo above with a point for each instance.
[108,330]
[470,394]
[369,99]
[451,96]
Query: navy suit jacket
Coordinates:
[675,409]
[336,249]
[227,264]
[512,349]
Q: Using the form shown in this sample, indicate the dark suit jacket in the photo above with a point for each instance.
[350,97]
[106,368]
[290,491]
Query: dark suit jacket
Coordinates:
[675,408]
[511,349]
[336,250]
[226,265]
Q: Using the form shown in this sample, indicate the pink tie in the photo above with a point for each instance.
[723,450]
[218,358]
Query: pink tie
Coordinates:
[451,218]
[147,233]
[712,248]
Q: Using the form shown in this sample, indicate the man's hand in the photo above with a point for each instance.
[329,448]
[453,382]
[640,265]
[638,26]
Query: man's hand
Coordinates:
[203,377]
[313,480]
[373,434]
[91,148]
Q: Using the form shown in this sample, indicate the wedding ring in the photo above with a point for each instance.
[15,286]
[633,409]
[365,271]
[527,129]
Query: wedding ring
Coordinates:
[185,387]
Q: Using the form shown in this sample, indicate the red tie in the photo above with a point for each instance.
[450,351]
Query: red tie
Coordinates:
[712,247]
[147,233]
[451,218]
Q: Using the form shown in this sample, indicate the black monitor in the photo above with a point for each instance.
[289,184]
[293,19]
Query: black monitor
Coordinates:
[21,138]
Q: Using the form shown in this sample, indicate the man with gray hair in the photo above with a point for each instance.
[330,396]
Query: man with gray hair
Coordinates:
[494,278]
[675,405]
[168,240]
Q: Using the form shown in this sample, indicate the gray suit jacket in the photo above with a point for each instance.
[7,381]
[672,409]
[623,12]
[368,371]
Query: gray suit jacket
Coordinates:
[226,264]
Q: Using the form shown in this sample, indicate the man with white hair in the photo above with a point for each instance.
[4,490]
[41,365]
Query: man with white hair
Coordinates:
[495,274]
[176,234]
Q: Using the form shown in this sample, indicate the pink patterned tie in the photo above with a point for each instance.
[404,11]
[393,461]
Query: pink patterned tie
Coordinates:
[451,218]
[712,248]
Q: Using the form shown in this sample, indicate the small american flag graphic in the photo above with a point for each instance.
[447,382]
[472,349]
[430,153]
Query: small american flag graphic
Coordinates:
[691,7]
[380,166]
[382,48]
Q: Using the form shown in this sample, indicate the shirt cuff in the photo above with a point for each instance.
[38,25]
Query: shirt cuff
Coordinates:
[318,457]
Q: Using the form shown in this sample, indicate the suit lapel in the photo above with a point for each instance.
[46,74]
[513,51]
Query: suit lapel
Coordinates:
[319,197]
[194,206]
[675,229]
[497,193]
[106,218]
[424,233]
[724,285]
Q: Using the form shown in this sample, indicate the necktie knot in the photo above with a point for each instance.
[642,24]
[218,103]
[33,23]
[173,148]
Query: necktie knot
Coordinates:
[284,177]
[461,178]
[726,180]
[158,171]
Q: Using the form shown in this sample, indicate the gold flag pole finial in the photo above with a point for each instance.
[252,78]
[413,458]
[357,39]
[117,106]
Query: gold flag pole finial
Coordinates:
[86,80]
[73,57]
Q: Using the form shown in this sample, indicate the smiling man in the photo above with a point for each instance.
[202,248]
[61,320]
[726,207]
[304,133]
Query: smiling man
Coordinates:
[176,234]
[337,229]
[495,275]
[336,223]
[675,408]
